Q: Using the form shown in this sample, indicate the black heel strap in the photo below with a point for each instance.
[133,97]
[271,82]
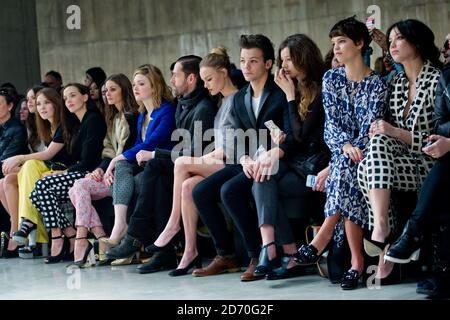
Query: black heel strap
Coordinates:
[269,244]
[58,237]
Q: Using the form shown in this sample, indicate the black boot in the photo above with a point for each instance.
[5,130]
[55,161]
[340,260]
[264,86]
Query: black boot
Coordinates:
[128,247]
[162,260]
[406,248]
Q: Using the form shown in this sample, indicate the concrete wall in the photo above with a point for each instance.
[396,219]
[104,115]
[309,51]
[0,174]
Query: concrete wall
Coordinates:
[19,50]
[119,35]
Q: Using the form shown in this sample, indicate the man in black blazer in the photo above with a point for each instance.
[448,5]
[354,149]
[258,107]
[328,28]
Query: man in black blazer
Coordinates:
[194,115]
[253,105]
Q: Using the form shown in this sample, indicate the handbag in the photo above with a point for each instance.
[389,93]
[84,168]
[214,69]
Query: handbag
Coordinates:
[310,163]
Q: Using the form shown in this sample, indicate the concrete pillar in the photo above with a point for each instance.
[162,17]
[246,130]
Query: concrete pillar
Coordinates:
[19,48]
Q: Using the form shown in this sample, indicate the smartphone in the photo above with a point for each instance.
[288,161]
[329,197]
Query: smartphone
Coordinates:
[310,180]
[271,125]
[370,23]
[429,143]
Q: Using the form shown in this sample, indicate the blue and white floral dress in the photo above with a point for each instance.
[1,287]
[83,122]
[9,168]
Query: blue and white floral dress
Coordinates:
[350,108]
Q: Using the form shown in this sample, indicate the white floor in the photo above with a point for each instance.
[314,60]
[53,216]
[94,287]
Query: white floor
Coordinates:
[123,283]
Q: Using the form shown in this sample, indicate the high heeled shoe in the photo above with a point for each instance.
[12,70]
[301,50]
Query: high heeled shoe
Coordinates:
[4,252]
[133,259]
[265,265]
[195,263]
[27,229]
[113,243]
[62,254]
[100,255]
[375,248]
[153,248]
[88,259]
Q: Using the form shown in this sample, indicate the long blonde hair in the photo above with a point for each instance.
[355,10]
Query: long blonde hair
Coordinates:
[161,90]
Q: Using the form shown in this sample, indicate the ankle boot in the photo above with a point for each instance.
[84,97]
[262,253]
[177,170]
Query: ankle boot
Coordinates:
[127,248]
[406,248]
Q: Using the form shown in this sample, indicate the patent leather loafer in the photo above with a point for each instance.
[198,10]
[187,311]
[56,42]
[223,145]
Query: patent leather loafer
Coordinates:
[283,272]
[350,280]
[306,255]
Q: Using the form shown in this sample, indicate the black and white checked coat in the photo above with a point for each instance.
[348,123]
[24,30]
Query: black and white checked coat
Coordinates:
[420,118]
[391,163]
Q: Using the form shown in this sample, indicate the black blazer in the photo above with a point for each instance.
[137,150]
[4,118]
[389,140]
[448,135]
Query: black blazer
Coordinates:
[308,133]
[273,106]
[87,143]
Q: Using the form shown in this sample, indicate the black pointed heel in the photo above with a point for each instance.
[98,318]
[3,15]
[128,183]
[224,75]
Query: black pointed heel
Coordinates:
[62,254]
[196,263]
[88,259]
[264,264]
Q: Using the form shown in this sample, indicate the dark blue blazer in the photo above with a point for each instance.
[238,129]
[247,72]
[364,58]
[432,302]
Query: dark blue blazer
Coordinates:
[158,132]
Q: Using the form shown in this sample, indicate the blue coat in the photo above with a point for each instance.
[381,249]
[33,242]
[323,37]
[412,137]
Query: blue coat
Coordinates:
[158,133]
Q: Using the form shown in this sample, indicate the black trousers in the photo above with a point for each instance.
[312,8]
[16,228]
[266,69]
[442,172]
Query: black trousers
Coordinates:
[231,187]
[154,202]
[432,198]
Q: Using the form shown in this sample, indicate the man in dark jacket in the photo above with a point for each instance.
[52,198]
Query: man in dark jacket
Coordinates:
[262,100]
[13,135]
[194,115]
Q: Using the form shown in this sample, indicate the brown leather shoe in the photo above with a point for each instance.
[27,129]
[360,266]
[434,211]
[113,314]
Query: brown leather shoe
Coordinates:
[219,265]
[248,274]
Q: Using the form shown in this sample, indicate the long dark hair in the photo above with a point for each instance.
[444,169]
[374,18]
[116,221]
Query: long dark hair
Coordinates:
[44,127]
[129,103]
[421,36]
[30,124]
[69,120]
[305,56]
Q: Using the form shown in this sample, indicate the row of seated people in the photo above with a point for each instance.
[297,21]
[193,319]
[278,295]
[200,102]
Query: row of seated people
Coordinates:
[362,136]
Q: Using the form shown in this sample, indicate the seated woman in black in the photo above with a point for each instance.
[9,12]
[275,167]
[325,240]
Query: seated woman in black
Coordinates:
[84,129]
[300,74]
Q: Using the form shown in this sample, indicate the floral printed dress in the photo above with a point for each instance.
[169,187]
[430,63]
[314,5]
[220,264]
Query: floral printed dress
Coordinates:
[350,108]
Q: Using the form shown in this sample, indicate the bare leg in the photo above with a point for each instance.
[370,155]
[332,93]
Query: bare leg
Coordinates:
[185,167]
[11,189]
[379,201]
[98,233]
[57,244]
[190,218]
[2,195]
[173,225]
[325,233]
[290,248]
[70,232]
[80,245]
[355,238]
[120,223]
